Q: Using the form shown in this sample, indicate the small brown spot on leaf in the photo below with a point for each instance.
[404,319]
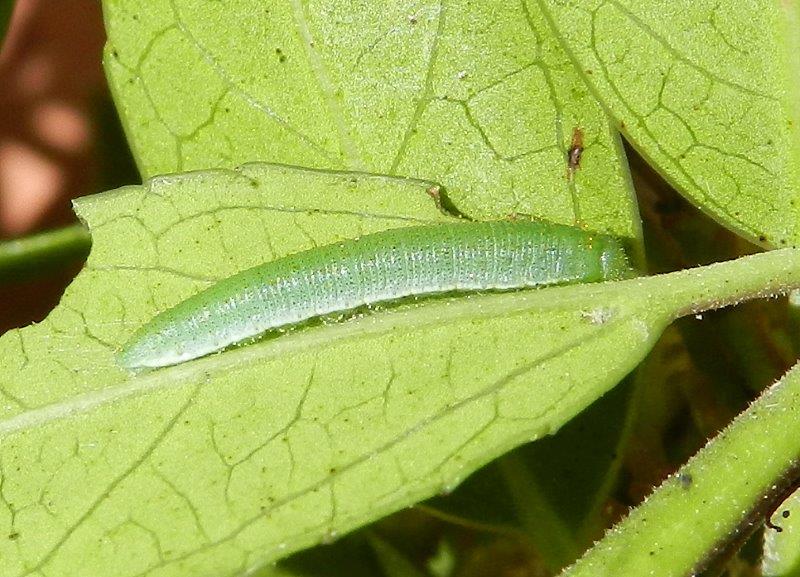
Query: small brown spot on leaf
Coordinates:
[575,152]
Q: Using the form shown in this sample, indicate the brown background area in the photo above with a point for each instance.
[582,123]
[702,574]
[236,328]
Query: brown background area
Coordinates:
[57,134]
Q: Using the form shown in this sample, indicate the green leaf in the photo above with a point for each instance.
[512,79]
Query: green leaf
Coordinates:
[224,464]
[782,542]
[566,479]
[707,92]
[549,494]
[477,96]
[725,491]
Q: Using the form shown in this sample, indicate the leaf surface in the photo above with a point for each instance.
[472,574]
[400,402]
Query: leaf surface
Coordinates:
[221,465]
[477,96]
[707,92]
[216,466]
[781,543]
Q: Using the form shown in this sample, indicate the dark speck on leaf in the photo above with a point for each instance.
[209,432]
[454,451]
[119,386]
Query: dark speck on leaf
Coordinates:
[785,513]
[575,152]
[773,526]
[281,55]
[13,536]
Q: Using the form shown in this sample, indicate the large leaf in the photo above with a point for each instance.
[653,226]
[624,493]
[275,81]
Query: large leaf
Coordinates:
[707,91]
[477,96]
[219,465]
[539,493]
[782,541]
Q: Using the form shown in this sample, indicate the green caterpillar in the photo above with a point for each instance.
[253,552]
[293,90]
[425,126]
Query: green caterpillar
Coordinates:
[375,268]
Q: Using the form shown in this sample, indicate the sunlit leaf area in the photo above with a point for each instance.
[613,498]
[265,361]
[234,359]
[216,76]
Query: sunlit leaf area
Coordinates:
[402,288]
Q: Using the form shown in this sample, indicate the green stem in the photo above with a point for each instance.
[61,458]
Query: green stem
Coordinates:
[553,539]
[730,485]
[727,488]
[696,290]
[41,253]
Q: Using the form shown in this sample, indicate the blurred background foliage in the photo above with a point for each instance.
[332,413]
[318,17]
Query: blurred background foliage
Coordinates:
[59,137]
[527,514]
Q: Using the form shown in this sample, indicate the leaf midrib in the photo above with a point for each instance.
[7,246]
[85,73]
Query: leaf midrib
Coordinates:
[414,315]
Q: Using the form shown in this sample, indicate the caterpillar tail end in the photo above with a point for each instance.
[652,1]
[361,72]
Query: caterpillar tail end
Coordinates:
[614,261]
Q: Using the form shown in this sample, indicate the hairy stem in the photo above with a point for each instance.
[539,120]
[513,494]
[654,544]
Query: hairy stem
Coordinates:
[41,253]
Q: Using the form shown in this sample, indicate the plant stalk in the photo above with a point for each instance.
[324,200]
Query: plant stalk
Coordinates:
[39,254]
